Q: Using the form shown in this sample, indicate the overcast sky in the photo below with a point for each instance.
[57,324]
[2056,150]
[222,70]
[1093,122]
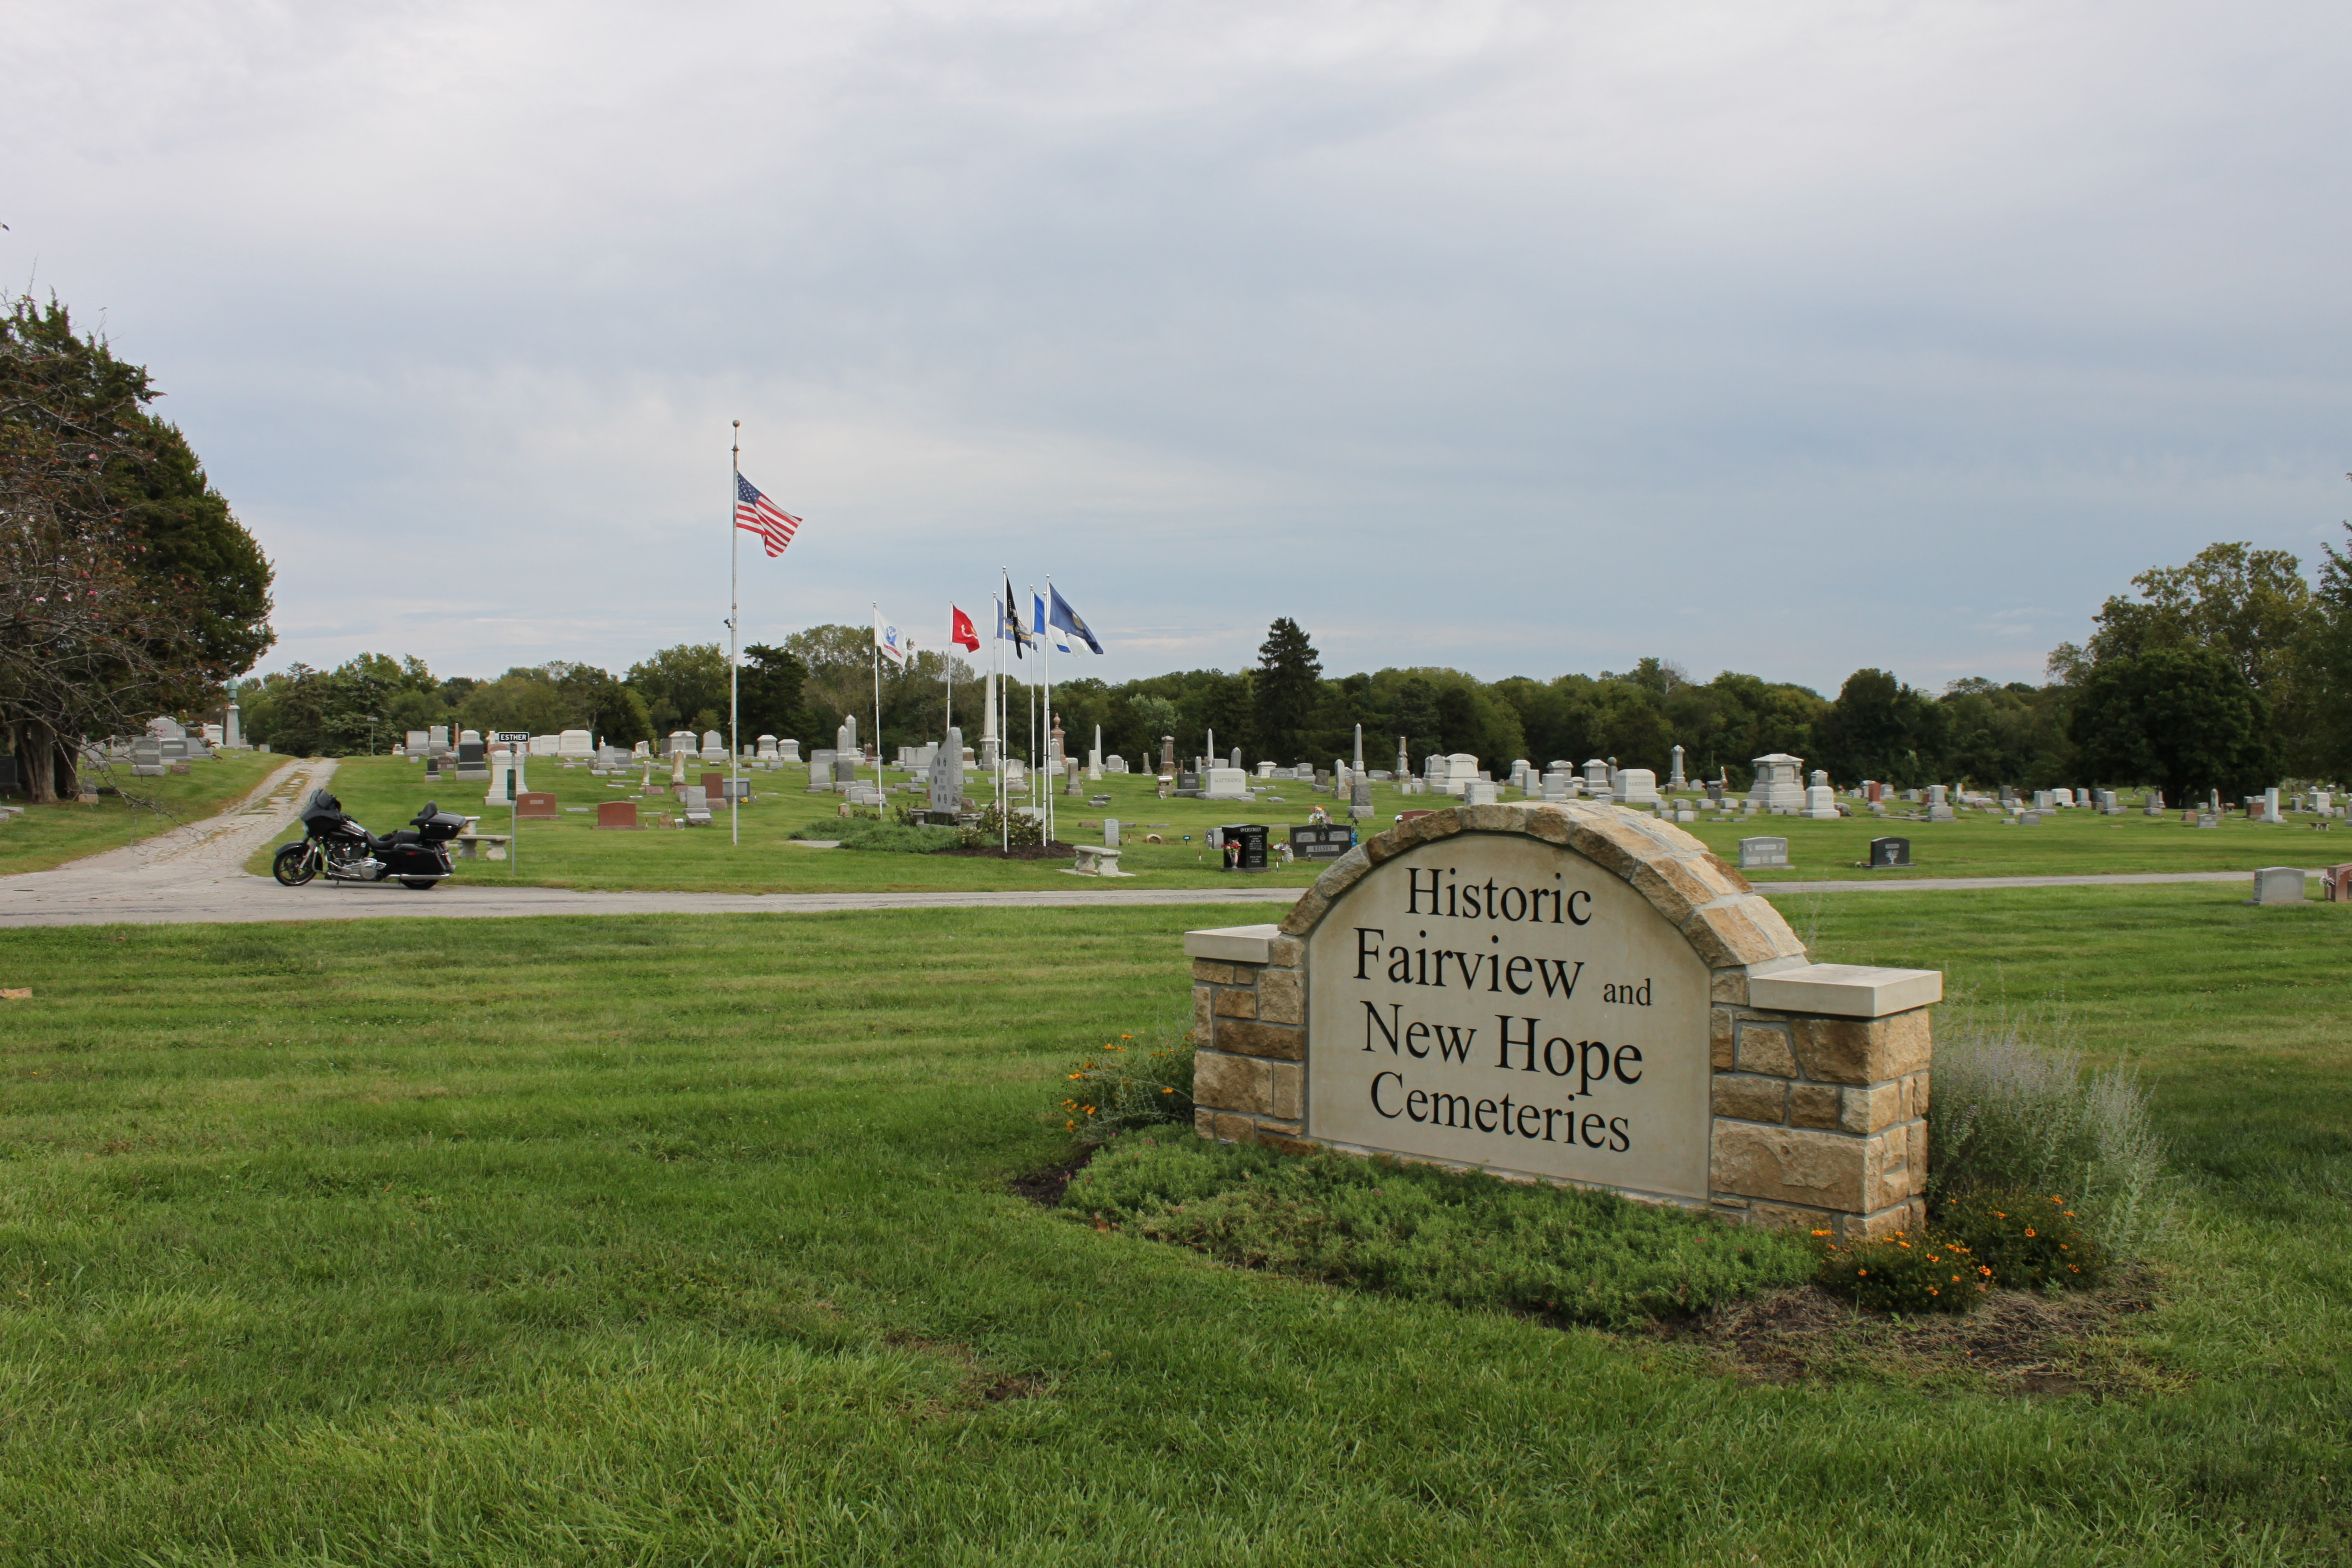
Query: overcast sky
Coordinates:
[1527,339]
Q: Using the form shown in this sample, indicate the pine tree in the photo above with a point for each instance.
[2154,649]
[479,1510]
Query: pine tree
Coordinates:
[1289,687]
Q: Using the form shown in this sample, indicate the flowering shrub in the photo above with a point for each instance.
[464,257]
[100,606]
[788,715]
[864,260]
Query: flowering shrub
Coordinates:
[1904,1273]
[2027,1239]
[1124,1083]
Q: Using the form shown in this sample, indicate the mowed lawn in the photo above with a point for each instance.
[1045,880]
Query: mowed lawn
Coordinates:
[688,1241]
[385,792]
[51,835]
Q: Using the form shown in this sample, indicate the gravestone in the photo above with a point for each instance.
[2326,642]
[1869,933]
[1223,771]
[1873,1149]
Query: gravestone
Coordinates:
[1321,841]
[437,738]
[820,777]
[1636,787]
[714,746]
[767,748]
[2335,884]
[1243,845]
[536,805]
[1480,792]
[1758,853]
[1640,1022]
[2278,885]
[1167,756]
[697,812]
[1674,778]
[1887,853]
[679,741]
[945,790]
[1360,798]
[1110,833]
[1777,788]
[416,744]
[1115,765]
[473,759]
[617,814]
[147,759]
[1226,784]
[1596,777]
[1188,783]
[1820,799]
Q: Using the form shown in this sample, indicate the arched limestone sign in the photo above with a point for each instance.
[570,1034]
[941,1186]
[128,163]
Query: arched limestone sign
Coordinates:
[1576,993]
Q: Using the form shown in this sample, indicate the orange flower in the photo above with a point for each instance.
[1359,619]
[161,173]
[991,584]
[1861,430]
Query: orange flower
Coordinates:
[1821,1233]
[2029,1230]
[1861,1273]
[1906,1246]
[1986,1272]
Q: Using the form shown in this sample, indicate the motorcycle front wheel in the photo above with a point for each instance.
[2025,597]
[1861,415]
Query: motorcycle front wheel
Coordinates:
[293,865]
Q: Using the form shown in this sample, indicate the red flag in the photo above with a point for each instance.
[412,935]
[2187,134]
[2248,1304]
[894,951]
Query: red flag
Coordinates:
[960,630]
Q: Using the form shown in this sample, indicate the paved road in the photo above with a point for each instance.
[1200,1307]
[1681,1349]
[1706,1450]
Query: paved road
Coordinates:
[195,874]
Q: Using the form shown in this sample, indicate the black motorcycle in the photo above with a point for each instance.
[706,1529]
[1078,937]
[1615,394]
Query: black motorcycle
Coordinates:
[416,856]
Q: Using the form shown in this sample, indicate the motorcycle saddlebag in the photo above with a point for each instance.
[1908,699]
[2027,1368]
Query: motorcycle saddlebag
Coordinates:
[441,827]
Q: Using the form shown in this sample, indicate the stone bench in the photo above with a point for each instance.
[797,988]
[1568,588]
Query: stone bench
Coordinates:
[1097,860]
[481,846]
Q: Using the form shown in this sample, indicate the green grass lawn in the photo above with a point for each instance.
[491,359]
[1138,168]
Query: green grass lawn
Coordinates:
[384,792]
[48,836]
[678,1240]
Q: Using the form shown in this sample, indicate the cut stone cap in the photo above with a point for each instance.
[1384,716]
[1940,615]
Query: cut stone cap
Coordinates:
[1846,990]
[1232,944]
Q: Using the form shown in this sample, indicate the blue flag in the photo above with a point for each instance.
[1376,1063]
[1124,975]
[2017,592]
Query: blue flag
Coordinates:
[1071,621]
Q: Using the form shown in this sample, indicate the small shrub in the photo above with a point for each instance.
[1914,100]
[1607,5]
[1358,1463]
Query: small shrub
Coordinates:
[2026,1239]
[995,831]
[1124,1084]
[2008,1116]
[1903,1273]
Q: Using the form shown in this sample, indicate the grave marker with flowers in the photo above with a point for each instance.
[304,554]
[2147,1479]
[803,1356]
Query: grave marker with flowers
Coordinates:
[1570,992]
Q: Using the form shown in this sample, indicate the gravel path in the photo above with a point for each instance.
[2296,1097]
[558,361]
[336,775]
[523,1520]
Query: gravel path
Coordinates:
[195,874]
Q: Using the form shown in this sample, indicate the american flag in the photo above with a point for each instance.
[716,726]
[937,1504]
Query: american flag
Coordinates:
[756,513]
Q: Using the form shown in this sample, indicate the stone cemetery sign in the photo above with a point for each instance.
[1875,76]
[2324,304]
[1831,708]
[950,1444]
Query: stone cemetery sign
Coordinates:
[1575,994]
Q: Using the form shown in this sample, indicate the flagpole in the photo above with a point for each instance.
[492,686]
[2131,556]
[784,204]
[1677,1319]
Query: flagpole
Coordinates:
[1045,669]
[734,666]
[879,782]
[951,648]
[1005,727]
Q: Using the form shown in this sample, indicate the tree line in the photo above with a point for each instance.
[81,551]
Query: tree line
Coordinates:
[2227,673]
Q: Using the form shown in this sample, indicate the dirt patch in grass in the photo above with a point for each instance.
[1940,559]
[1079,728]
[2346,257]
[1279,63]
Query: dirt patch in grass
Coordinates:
[1045,1188]
[982,1384]
[2017,1342]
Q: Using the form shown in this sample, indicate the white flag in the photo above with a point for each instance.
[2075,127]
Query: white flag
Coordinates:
[887,641]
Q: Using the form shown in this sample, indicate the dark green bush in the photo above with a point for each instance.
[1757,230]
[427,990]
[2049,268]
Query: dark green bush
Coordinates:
[1463,1238]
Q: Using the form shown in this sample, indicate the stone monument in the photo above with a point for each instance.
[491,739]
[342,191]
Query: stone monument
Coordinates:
[1639,1021]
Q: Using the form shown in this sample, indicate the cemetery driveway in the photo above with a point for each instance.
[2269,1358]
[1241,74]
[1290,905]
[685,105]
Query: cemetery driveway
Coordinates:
[196,874]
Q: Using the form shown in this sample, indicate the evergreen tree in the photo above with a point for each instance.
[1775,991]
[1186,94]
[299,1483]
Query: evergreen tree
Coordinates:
[1288,689]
